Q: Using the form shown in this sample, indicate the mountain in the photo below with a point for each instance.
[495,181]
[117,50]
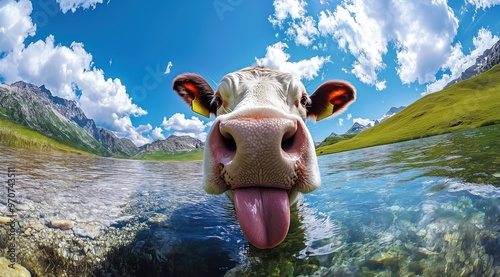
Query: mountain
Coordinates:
[358,127]
[392,111]
[118,146]
[32,107]
[36,108]
[465,105]
[172,144]
[67,108]
[174,148]
[485,62]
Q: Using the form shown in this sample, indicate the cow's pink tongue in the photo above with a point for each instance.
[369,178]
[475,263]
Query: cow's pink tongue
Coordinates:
[264,215]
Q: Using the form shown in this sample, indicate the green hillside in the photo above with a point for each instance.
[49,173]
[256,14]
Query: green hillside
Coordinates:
[37,116]
[335,139]
[15,135]
[466,105]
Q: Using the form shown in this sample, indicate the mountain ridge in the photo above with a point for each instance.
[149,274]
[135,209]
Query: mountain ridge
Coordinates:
[484,62]
[357,127]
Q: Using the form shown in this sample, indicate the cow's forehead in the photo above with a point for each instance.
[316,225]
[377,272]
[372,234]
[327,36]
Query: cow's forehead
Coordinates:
[260,82]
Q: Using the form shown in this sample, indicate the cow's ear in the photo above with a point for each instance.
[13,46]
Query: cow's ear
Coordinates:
[196,92]
[330,98]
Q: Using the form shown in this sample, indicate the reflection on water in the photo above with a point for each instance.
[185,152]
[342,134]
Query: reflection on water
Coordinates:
[428,207]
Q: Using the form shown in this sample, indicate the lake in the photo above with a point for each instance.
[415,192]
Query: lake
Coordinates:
[427,207]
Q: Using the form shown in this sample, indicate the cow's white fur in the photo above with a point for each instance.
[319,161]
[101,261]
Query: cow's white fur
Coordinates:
[262,87]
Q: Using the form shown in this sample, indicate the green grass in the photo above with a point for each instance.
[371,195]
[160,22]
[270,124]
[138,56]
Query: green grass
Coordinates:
[333,140]
[196,155]
[465,105]
[14,135]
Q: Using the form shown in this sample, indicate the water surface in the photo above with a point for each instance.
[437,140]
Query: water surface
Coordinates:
[428,207]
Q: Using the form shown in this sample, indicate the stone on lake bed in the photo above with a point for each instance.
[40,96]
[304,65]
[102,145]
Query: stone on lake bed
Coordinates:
[383,259]
[17,271]
[88,230]
[61,224]
[5,220]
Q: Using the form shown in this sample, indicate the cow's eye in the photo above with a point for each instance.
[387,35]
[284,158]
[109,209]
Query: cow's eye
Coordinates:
[303,100]
[218,101]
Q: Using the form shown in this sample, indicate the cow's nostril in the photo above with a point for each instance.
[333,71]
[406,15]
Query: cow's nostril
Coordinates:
[228,142]
[288,141]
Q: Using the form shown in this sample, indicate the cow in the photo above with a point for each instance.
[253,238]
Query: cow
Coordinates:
[259,150]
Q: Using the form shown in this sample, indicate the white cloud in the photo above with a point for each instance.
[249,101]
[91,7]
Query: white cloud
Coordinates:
[193,127]
[276,57]
[421,32]
[364,121]
[144,128]
[380,85]
[138,135]
[15,24]
[64,71]
[358,33]
[484,4]
[169,66]
[73,5]
[157,134]
[284,8]
[300,28]
[457,62]
[349,116]
[304,31]
[341,122]
[426,44]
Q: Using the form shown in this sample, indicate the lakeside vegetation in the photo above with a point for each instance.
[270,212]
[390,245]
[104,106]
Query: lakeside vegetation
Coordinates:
[194,155]
[465,105]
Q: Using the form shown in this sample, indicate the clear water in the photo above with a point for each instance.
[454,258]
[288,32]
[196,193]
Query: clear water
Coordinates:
[428,207]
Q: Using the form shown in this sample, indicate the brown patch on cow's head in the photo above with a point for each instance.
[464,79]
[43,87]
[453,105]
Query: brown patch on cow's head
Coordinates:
[330,98]
[196,92]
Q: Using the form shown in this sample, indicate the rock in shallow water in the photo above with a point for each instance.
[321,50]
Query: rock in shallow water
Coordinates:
[61,224]
[17,271]
[88,230]
[5,220]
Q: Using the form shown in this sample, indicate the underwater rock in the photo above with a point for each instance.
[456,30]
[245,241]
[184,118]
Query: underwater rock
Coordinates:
[88,230]
[61,224]
[5,220]
[17,271]
[386,259]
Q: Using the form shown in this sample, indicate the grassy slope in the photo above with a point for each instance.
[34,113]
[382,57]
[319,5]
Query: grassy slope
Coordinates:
[172,156]
[332,140]
[15,135]
[466,105]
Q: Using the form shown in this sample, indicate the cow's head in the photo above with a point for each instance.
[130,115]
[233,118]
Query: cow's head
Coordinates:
[259,150]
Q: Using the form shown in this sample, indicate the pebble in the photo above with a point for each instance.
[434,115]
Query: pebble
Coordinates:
[5,220]
[17,271]
[61,224]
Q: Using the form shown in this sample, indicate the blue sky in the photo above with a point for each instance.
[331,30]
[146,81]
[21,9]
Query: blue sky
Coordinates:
[117,59]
